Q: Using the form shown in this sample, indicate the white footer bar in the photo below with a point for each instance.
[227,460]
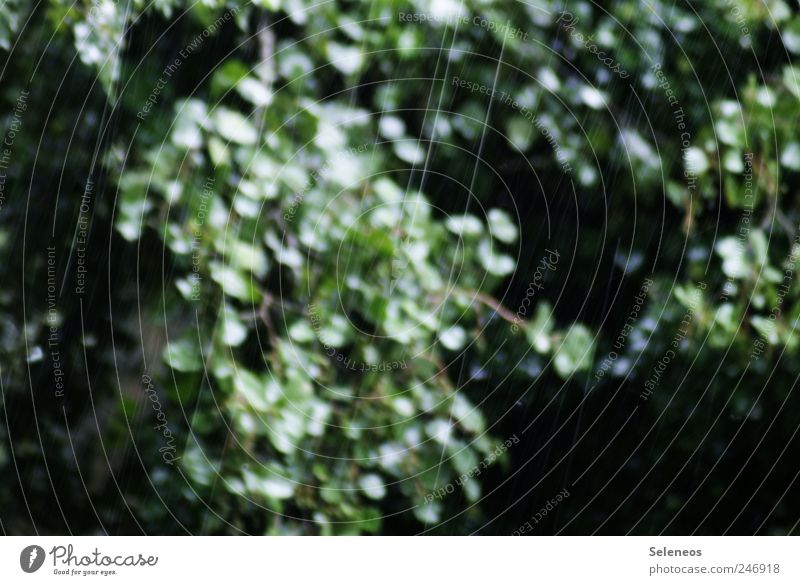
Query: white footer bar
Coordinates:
[399,560]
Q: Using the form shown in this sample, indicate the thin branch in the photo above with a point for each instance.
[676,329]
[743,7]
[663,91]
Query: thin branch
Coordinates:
[263,312]
[493,304]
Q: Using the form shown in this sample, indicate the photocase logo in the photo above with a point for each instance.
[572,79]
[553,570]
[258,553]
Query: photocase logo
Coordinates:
[31,558]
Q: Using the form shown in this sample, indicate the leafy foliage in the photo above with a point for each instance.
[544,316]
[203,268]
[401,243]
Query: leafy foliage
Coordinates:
[310,236]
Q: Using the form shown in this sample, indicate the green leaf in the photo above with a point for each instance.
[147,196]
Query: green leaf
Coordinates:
[392,127]
[219,152]
[695,160]
[257,393]
[227,76]
[234,283]
[791,35]
[234,127]
[519,132]
[734,264]
[497,264]
[540,328]
[186,134]
[791,79]
[347,59]
[372,485]
[790,157]
[232,330]
[409,151]
[575,352]
[464,225]
[254,91]
[274,487]
[467,415]
[501,227]
[428,513]
[247,257]
[183,356]
[766,329]
[453,338]
[592,97]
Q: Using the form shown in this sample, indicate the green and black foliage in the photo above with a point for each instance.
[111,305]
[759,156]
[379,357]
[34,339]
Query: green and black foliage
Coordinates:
[309,254]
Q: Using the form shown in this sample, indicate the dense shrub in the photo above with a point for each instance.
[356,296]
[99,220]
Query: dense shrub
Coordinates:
[305,266]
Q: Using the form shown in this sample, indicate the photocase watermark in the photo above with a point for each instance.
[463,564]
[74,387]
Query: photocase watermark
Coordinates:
[744,227]
[342,360]
[545,264]
[474,472]
[505,28]
[168,450]
[567,21]
[664,361]
[197,238]
[83,237]
[560,155]
[31,558]
[6,148]
[317,176]
[429,18]
[184,53]
[507,100]
[65,557]
[66,562]
[689,170]
[53,319]
[741,22]
[627,328]
[451,18]
[768,327]
[542,513]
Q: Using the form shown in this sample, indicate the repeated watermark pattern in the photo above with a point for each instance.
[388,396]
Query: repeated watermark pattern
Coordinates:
[171,69]
[197,238]
[53,320]
[339,358]
[630,321]
[318,176]
[745,222]
[475,471]
[549,506]
[6,148]
[679,116]
[505,114]
[169,449]
[508,100]
[547,263]
[789,266]
[567,21]
[741,21]
[505,28]
[82,239]
[683,330]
